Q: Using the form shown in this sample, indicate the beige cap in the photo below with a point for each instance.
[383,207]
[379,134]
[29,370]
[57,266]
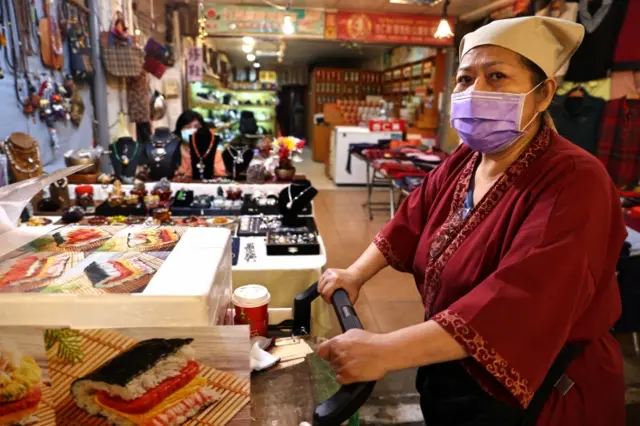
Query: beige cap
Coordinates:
[547,42]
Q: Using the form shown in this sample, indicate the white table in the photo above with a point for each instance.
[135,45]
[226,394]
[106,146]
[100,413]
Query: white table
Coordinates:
[285,277]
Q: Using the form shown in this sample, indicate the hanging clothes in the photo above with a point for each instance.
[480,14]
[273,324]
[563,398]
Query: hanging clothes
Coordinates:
[602,22]
[627,53]
[619,143]
[625,84]
[568,11]
[577,119]
[596,88]
[530,268]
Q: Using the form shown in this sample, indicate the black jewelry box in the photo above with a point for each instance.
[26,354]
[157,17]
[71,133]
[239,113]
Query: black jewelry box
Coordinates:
[105,209]
[292,243]
[252,207]
[256,226]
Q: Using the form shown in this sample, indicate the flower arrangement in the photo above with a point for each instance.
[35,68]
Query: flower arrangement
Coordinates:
[284,148]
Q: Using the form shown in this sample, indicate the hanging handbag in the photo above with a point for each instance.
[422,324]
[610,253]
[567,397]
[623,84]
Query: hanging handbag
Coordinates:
[77,30]
[157,58]
[121,58]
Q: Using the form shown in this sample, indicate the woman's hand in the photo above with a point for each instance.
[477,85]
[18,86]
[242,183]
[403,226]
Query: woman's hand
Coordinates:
[356,356]
[334,279]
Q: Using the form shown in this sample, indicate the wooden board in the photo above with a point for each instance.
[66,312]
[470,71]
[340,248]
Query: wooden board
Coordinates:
[225,346]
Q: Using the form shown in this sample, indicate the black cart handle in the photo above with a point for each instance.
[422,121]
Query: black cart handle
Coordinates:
[349,398]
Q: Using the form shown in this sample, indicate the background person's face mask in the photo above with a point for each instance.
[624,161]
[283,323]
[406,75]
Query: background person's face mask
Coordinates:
[187,133]
[489,122]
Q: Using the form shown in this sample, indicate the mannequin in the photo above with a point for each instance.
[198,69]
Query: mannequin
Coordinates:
[203,151]
[23,154]
[293,199]
[125,156]
[162,154]
[236,159]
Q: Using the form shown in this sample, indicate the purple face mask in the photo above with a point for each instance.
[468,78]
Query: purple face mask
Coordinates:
[488,122]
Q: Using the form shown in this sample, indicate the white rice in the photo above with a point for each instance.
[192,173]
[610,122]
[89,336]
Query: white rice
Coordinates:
[83,391]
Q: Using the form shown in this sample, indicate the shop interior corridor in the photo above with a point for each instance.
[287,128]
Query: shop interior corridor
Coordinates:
[391,301]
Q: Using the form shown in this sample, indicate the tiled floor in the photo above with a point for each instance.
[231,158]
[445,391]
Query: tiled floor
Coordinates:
[390,301]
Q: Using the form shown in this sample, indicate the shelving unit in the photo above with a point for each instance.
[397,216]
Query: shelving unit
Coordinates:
[328,85]
[262,102]
[263,106]
[416,78]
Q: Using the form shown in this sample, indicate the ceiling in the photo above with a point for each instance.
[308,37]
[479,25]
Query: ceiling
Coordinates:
[456,7]
[300,52]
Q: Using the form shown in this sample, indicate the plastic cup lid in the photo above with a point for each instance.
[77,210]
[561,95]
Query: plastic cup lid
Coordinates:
[251,296]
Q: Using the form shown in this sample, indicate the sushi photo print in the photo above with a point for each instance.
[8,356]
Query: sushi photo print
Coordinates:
[73,239]
[149,376]
[33,272]
[102,273]
[25,385]
[137,238]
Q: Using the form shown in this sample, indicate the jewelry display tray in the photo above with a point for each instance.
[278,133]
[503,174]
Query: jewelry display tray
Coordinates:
[254,229]
[251,207]
[209,211]
[105,209]
[291,249]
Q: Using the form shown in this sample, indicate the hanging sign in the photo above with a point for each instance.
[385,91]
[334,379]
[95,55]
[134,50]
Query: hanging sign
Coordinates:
[230,19]
[387,125]
[385,28]
[268,77]
[194,64]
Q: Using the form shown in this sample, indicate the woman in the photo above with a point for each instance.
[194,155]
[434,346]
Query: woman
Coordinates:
[513,243]
[186,125]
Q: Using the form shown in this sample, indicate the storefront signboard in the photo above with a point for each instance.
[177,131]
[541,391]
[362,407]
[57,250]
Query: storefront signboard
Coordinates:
[387,125]
[194,64]
[385,28]
[242,20]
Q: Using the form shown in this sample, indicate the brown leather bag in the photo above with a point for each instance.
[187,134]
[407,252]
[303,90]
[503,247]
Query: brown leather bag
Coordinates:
[120,57]
[50,40]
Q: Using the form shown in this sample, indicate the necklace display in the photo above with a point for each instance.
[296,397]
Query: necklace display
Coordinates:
[238,158]
[297,197]
[124,159]
[23,160]
[201,158]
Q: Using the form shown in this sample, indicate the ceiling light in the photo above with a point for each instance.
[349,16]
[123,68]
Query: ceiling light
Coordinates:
[249,40]
[444,29]
[256,65]
[247,48]
[251,57]
[287,26]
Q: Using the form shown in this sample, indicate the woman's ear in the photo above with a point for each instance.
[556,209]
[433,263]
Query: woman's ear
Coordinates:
[546,94]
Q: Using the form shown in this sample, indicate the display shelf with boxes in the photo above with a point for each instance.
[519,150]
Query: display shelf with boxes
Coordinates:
[414,89]
[328,85]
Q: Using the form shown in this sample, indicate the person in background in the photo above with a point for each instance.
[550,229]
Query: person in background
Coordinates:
[186,125]
[513,242]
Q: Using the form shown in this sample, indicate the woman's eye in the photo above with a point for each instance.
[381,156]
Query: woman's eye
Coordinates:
[497,76]
[464,79]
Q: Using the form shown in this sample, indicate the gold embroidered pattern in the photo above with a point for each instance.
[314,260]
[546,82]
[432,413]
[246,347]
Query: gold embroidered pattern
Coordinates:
[477,347]
[387,251]
[455,230]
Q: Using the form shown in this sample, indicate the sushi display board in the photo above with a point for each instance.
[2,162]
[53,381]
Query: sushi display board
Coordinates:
[196,376]
[115,276]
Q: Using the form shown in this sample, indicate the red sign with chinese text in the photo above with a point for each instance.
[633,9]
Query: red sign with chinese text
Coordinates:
[387,126]
[386,28]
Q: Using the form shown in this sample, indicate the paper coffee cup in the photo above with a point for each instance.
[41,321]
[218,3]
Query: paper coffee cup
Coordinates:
[251,303]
